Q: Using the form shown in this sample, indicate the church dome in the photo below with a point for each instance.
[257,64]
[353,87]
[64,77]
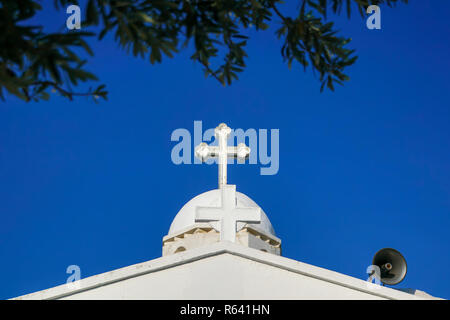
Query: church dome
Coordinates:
[212,198]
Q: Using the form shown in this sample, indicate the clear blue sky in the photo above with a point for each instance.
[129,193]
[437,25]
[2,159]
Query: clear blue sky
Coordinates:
[363,168]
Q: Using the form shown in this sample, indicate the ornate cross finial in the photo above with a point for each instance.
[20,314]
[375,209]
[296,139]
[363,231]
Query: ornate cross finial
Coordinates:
[228,214]
[222,151]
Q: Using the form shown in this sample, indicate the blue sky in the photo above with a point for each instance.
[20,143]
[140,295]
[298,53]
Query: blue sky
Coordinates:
[361,168]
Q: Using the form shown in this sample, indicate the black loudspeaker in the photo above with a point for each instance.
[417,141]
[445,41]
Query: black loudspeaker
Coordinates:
[392,265]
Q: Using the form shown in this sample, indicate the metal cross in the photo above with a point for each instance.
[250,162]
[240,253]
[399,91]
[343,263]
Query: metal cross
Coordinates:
[228,214]
[222,151]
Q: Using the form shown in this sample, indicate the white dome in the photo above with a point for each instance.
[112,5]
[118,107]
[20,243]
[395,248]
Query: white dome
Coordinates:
[212,198]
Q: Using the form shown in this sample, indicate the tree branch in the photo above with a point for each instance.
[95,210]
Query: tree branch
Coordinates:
[62,91]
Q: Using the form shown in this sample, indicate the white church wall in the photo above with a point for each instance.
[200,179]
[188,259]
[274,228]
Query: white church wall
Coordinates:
[223,270]
[223,277]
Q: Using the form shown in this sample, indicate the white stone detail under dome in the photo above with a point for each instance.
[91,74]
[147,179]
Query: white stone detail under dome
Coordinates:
[186,216]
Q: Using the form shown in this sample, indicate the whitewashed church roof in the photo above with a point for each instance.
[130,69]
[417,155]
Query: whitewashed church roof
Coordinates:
[223,270]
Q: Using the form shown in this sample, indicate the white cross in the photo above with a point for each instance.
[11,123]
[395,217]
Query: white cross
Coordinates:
[223,152]
[228,214]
